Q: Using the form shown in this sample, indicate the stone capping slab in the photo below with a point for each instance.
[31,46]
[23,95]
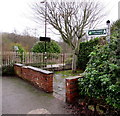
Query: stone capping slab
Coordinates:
[34,68]
[18,64]
[74,77]
[40,70]
[24,66]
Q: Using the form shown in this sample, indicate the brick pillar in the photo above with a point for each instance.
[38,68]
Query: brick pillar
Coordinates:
[18,69]
[72,89]
[48,82]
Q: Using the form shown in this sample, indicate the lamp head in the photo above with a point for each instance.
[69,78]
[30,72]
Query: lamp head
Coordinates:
[108,22]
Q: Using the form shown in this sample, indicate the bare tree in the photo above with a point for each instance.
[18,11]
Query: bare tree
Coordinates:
[70,19]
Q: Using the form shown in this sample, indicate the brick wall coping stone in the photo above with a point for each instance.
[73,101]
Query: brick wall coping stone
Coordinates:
[19,64]
[34,68]
[40,70]
[25,66]
[74,77]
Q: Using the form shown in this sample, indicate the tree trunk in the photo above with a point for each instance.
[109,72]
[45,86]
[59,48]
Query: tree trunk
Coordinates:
[74,61]
[75,55]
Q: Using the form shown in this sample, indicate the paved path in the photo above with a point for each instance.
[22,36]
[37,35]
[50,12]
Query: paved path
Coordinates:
[59,86]
[20,97]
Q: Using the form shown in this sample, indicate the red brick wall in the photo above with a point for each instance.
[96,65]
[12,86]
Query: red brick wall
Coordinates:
[18,69]
[72,89]
[39,78]
[25,73]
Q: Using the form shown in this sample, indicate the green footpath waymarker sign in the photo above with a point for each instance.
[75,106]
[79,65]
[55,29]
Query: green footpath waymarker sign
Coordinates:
[97,32]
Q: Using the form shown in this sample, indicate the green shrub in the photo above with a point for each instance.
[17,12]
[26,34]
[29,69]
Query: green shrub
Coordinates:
[85,49]
[8,70]
[115,29]
[21,52]
[51,47]
[102,75]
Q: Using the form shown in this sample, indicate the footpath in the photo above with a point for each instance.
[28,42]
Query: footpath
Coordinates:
[20,97]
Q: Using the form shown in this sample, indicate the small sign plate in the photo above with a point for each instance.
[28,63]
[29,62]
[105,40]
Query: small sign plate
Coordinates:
[97,32]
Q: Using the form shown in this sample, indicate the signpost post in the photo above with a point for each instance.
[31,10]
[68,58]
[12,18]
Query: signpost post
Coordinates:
[45,39]
[108,33]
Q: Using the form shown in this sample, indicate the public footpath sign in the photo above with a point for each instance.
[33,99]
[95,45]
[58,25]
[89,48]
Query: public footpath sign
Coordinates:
[99,32]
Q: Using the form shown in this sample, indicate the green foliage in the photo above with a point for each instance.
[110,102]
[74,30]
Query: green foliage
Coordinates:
[51,47]
[115,29]
[102,75]
[20,48]
[8,70]
[85,49]
[21,52]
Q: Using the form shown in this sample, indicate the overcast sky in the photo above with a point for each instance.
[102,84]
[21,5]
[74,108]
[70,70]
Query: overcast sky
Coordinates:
[16,15]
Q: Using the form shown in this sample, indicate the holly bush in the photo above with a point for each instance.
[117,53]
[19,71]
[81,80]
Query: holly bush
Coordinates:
[102,74]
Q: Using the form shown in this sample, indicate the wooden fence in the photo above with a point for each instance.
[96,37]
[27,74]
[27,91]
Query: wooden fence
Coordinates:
[9,58]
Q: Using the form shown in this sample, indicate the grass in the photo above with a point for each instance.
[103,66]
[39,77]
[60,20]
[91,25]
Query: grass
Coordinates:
[66,73]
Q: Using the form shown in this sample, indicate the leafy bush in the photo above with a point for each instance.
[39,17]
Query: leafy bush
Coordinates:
[102,75]
[21,52]
[51,47]
[85,49]
[8,70]
[115,29]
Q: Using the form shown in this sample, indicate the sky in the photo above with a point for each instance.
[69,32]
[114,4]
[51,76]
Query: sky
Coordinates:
[16,15]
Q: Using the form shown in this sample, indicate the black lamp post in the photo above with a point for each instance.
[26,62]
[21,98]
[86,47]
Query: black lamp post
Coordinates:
[45,2]
[45,24]
[45,39]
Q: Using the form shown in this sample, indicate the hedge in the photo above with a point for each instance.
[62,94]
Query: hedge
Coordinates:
[85,49]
